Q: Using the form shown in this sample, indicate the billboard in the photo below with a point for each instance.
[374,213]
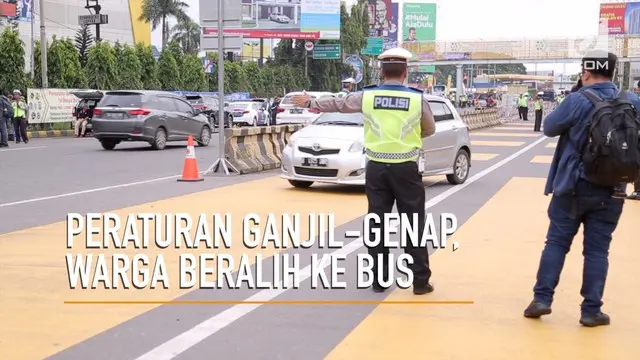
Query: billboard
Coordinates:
[288,19]
[620,18]
[24,10]
[419,32]
[383,22]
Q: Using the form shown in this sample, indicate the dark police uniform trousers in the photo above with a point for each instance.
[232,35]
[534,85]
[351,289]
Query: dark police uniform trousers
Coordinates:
[538,123]
[400,183]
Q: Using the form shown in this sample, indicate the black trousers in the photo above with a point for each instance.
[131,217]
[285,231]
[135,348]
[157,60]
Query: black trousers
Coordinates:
[523,113]
[402,184]
[538,123]
[20,129]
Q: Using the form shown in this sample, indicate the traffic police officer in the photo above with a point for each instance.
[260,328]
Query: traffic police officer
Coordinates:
[347,87]
[396,119]
[538,107]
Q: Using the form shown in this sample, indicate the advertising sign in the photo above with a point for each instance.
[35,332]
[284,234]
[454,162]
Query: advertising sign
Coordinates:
[620,18]
[24,10]
[383,21]
[358,67]
[287,19]
[419,32]
[50,105]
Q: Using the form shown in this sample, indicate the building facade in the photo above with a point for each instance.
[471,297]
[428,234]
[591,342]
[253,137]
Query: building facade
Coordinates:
[61,20]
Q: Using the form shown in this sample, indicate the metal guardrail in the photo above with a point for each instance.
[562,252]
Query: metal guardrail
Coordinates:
[528,49]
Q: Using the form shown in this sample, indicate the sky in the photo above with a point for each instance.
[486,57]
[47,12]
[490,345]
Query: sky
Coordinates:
[501,19]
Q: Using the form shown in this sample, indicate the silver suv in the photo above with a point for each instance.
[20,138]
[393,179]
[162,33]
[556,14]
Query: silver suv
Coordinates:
[151,116]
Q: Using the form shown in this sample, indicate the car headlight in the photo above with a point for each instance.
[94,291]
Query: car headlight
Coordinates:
[356,147]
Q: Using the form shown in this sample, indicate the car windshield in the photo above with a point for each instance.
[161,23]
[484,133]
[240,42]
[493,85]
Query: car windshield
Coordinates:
[125,100]
[340,119]
[195,100]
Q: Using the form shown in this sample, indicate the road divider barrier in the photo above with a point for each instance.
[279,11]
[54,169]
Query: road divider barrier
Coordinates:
[480,118]
[254,149]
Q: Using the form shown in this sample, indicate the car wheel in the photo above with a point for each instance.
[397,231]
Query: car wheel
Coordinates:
[205,136]
[301,184]
[108,144]
[461,166]
[160,140]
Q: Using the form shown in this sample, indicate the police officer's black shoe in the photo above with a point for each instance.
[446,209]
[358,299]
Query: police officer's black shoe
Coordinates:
[422,289]
[595,320]
[536,309]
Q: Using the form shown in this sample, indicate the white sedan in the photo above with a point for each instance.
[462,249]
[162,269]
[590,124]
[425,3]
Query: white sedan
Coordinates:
[331,149]
[288,113]
[245,113]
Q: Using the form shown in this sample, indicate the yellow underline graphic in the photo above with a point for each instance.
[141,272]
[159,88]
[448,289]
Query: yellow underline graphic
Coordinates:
[268,302]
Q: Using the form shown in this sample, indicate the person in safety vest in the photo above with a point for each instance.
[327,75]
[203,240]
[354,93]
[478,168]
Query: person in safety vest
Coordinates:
[347,87]
[19,117]
[523,108]
[396,118]
[538,106]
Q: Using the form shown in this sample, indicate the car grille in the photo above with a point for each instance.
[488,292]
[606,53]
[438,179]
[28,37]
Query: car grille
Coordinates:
[308,150]
[318,172]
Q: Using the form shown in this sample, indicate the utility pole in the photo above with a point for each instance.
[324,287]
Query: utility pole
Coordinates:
[43,46]
[33,56]
[100,19]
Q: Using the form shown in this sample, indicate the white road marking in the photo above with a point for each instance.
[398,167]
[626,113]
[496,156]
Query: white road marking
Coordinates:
[89,191]
[23,148]
[195,335]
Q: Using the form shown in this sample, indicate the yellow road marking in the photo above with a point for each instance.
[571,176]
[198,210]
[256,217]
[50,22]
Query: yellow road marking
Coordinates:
[498,134]
[35,321]
[497,143]
[552,145]
[498,273]
[483,157]
[542,159]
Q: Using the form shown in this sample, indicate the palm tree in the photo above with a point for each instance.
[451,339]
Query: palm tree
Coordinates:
[187,34]
[158,12]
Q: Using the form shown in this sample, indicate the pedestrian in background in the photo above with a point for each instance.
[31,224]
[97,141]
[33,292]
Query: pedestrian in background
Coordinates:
[523,108]
[19,117]
[6,116]
[579,196]
[538,106]
[396,119]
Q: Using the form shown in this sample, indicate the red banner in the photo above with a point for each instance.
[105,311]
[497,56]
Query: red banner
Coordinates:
[266,34]
[613,16]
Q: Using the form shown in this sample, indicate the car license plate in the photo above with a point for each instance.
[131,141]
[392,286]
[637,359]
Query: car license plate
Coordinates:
[315,162]
[238,114]
[115,116]
[295,111]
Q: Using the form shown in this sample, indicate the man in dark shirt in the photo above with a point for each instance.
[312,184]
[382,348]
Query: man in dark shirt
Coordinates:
[576,201]
[83,118]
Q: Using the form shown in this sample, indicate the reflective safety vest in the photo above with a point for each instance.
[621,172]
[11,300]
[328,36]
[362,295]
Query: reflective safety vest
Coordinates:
[522,102]
[538,105]
[560,99]
[392,131]
[17,111]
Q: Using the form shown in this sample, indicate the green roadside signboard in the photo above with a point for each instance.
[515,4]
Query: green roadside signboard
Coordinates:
[374,46]
[326,51]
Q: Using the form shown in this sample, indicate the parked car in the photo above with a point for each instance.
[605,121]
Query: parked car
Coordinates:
[89,97]
[290,114]
[331,149]
[246,113]
[279,18]
[265,116]
[208,105]
[155,117]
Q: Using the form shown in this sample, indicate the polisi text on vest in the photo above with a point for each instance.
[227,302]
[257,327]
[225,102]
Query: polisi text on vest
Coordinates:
[391,103]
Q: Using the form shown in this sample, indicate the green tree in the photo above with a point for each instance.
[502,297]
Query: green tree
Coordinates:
[174,48]
[148,65]
[129,70]
[37,65]
[168,72]
[12,75]
[101,69]
[63,65]
[235,78]
[255,79]
[117,50]
[158,13]
[193,76]
[187,33]
[84,41]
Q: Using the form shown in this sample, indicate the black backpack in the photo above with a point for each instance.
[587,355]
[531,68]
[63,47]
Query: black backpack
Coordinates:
[611,154]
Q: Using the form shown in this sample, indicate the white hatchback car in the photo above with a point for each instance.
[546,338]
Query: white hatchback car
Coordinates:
[331,149]
[245,112]
[288,113]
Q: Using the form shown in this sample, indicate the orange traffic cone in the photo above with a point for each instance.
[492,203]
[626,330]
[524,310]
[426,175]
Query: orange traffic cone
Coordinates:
[190,171]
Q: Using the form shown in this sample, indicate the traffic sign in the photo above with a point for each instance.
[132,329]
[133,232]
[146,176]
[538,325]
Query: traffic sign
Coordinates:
[374,46]
[308,46]
[94,19]
[326,51]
